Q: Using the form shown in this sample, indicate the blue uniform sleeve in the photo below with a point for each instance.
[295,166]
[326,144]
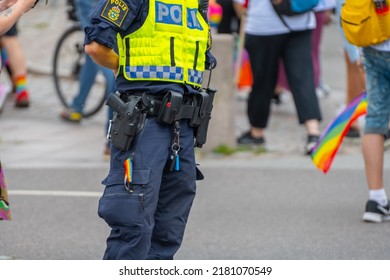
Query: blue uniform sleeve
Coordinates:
[109,18]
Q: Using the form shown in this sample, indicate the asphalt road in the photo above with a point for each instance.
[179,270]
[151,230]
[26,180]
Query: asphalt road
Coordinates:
[270,206]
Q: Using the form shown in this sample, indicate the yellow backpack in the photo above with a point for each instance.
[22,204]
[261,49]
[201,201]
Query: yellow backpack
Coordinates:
[361,24]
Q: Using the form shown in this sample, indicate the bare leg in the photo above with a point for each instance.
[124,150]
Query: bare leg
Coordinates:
[16,56]
[373,157]
[356,81]
[312,127]
[257,132]
[17,63]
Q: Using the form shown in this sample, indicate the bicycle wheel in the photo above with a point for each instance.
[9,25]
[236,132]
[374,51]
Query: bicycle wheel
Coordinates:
[69,57]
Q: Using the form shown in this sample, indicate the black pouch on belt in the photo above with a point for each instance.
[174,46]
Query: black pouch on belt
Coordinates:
[201,130]
[170,107]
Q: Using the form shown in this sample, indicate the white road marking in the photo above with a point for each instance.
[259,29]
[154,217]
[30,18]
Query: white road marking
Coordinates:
[54,193]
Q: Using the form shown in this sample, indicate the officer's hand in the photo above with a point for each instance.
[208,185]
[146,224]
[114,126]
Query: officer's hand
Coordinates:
[211,61]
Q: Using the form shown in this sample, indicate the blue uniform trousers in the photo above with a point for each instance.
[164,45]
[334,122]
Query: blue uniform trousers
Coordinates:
[149,222]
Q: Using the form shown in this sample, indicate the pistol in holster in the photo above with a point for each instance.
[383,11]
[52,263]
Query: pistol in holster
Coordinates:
[129,118]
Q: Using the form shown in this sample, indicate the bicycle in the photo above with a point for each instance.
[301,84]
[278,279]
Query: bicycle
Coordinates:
[68,59]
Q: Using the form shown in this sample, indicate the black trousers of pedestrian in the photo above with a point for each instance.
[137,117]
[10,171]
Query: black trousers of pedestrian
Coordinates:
[264,54]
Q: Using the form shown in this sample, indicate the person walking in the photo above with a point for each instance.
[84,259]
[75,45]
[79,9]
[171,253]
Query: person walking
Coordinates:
[377,65]
[163,53]
[270,37]
[10,12]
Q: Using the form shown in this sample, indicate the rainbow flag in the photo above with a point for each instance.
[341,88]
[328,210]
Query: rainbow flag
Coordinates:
[5,213]
[323,153]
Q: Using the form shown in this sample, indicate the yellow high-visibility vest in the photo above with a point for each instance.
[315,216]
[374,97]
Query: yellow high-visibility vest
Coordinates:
[169,46]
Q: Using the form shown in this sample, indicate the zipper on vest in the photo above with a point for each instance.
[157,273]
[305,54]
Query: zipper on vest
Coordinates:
[196,55]
[172,48]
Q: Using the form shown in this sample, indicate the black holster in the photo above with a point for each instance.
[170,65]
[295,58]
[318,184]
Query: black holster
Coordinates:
[128,120]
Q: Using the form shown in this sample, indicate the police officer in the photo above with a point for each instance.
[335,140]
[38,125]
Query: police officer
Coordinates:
[154,47]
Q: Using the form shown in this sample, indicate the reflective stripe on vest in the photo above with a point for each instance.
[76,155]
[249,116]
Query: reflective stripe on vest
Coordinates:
[160,72]
[163,72]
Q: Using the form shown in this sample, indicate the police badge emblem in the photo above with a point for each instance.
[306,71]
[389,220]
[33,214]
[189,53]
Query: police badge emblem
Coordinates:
[115,11]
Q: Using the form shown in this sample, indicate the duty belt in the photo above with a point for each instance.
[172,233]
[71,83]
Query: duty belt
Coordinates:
[131,111]
[173,106]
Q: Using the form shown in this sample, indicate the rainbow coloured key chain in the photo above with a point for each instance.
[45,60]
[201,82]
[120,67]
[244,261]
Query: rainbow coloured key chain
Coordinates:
[128,179]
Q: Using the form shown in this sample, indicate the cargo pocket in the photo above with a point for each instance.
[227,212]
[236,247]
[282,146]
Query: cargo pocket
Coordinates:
[120,207]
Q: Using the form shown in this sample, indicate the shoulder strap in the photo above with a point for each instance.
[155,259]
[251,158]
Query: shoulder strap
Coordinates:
[284,22]
[281,18]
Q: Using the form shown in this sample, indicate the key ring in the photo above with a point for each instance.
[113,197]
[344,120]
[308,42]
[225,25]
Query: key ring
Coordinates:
[175,148]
